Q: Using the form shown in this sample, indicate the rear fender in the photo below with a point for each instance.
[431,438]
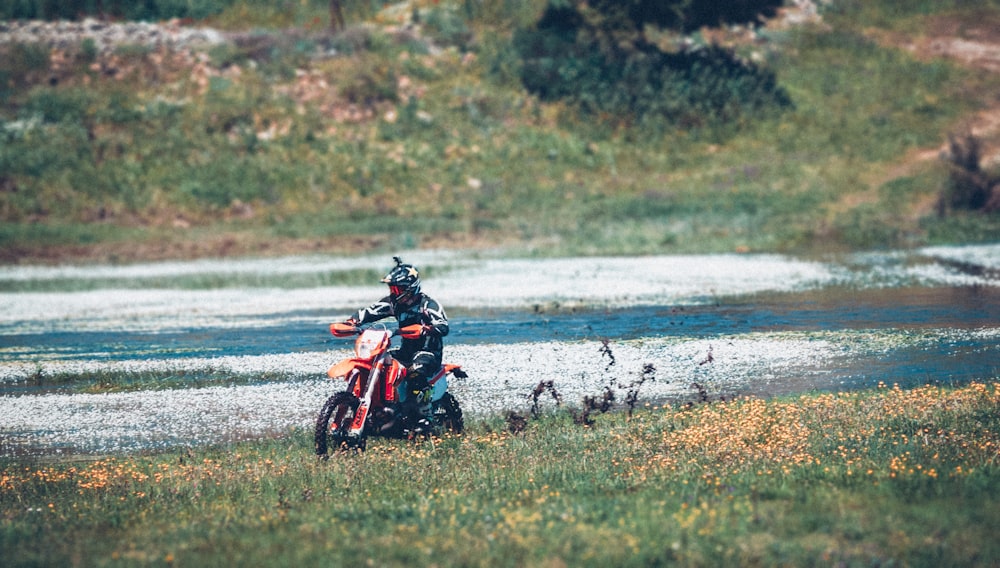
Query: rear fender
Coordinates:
[439,382]
[439,387]
[445,370]
[454,370]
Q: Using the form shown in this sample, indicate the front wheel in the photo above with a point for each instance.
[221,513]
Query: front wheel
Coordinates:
[334,422]
[448,414]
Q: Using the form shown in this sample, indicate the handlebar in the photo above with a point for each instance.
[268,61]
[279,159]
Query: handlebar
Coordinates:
[411,331]
[345,329]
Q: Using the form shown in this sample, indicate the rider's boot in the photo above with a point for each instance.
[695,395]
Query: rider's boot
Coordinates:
[425,416]
[390,420]
[419,411]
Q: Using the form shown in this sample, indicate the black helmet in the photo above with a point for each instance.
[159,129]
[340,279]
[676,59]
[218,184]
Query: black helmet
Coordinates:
[403,281]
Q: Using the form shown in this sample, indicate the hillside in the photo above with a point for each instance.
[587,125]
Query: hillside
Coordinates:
[393,134]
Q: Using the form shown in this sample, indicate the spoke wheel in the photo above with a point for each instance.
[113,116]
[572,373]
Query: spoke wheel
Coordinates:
[334,421]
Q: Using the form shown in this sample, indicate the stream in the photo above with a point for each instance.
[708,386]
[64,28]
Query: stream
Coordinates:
[700,325]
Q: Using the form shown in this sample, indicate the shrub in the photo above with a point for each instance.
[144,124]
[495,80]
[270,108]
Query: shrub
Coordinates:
[446,27]
[618,73]
[373,84]
[968,186]
[693,88]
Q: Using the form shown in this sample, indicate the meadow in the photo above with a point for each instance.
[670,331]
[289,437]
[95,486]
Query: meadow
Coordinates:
[291,138]
[881,477]
[425,137]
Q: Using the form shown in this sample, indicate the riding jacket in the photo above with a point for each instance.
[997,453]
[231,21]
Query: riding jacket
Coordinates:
[422,310]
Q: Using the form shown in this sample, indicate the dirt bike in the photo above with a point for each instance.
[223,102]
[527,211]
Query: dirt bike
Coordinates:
[373,403]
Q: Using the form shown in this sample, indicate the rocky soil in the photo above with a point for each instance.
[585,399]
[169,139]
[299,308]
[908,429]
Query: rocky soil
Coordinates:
[69,36]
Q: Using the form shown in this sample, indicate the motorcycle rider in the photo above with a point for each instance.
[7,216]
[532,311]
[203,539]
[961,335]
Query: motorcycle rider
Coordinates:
[422,354]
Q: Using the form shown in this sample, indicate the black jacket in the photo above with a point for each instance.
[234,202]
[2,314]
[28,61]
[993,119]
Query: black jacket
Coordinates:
[424,310]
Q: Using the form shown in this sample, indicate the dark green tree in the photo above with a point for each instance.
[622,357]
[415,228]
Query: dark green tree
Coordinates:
[623,22]
[596,53]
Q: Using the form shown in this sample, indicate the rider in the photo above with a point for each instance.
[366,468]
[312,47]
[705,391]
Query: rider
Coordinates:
[421,355]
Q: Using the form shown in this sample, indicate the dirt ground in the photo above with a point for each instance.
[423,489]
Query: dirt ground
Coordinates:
[181,246]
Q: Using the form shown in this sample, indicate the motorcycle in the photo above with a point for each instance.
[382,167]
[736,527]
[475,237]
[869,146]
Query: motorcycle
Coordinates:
[372,404]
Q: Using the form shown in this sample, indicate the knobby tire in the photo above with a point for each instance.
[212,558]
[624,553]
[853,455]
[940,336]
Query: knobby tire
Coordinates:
[448,414]
[342,406]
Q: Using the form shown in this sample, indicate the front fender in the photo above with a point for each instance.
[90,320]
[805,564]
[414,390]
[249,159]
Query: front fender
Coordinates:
[343,368]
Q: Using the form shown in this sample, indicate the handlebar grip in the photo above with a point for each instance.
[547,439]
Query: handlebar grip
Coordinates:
[412,331]
[343,329]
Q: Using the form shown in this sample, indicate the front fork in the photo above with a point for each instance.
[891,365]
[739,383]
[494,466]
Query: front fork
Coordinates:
[355,435]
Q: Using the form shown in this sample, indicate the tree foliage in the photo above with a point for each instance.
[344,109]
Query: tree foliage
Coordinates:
[125,9]
[632,17]
[597,54]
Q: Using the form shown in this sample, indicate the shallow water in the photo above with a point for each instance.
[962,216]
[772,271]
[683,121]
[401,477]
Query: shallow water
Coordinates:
[732,325]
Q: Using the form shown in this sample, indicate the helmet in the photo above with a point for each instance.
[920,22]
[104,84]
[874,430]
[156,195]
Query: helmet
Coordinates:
[403,281]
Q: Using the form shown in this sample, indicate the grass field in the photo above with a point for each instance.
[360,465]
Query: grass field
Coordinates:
[883,477]
[424,140]
[394,145]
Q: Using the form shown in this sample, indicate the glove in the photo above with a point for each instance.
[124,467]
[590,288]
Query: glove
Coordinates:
[349,327]
[414,331]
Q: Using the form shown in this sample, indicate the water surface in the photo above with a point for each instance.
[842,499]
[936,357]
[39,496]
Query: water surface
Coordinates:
[727,325]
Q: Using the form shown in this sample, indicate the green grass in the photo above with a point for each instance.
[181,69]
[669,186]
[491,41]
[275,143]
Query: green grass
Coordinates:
[204,281]
[452,145]
[887,476]
[100,382]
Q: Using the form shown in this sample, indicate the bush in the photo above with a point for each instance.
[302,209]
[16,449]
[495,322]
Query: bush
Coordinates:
[694,88]
[446,27]
[968,186]
[373,84]
[598,58]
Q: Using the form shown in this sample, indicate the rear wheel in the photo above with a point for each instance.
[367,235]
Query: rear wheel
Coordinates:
[448,414]
[334,421]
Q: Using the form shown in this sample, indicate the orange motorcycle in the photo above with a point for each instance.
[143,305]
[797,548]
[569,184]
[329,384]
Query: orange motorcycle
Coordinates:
[373,402]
